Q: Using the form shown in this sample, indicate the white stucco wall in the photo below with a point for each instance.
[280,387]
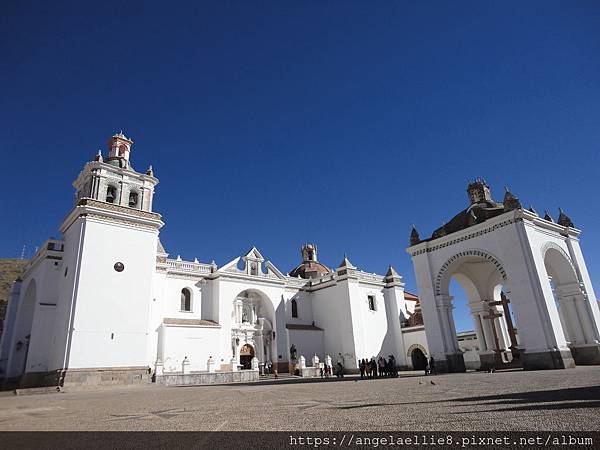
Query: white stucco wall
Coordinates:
[112,308]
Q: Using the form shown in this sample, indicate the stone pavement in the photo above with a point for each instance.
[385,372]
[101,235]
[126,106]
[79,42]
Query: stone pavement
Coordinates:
[558,400]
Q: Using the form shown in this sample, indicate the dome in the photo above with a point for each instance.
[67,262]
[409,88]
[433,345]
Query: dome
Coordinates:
[310,269]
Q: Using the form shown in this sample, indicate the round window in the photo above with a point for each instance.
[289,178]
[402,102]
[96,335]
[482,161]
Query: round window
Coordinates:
[119,267]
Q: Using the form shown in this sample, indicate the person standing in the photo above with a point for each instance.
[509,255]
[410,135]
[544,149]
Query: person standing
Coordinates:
[361,367]
[340,366]
[432,369]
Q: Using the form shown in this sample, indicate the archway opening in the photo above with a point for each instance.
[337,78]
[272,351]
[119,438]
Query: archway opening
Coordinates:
[480,326]
[575,318]
[418,358]
[246,355]
[253,324]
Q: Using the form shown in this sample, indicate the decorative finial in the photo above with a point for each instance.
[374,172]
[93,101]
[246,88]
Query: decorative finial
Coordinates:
[564,220]
[511,202]
[531,209]
[547,216]
[150,171]
[99,156]
[414,236]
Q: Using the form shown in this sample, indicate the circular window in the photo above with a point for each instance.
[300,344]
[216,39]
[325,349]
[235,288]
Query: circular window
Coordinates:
[119,267]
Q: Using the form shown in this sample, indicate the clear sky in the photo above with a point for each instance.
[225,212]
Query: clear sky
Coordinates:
[276,123]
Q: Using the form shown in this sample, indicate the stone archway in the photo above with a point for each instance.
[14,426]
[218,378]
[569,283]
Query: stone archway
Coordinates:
[490,244]
[418,356]
[484,281]
[246,355]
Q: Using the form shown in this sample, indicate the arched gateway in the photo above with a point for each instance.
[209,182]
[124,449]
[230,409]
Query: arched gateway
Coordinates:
[527,285]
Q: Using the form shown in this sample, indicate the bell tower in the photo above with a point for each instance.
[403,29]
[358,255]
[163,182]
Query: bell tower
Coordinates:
[309,252]
[113,180]
[111,239]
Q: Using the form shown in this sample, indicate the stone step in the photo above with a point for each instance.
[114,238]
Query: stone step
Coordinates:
[37,390]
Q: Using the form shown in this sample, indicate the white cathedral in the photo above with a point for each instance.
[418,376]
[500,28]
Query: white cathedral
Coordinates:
[105,304]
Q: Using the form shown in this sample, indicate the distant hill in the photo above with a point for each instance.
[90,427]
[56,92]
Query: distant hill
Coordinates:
[10,270]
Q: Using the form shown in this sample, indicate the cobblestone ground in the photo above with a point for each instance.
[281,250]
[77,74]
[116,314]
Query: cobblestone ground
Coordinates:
[558,400]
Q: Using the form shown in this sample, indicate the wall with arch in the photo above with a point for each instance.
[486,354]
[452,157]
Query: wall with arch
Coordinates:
[511,243]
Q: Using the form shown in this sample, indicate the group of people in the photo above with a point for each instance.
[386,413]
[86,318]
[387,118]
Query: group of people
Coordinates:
[326,371]
[380,368]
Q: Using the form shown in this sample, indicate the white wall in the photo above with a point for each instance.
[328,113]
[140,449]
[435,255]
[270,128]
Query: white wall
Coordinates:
[308,343]
[112,308]
[197,343]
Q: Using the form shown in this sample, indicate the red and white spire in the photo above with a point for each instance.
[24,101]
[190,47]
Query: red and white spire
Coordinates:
[119,147]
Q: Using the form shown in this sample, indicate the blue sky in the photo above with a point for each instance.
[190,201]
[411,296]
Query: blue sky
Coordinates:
[276,123]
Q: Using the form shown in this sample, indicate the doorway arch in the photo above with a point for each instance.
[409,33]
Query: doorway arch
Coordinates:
[484,281]
[418,359]
[254,324]
[246,355]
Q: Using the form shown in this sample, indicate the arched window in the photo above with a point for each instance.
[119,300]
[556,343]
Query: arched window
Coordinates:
[294,308]
[186,300]
[111,194]
[133,199]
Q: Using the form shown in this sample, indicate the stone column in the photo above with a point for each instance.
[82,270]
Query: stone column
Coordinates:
[580,303]
[260,347]
[211,365]
[501,329]
[185,366]
[567,312]
[238,305]
[444,310]
[479,331]
[487,331]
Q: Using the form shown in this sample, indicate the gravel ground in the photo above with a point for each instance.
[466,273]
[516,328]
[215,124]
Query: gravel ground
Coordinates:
[557,400]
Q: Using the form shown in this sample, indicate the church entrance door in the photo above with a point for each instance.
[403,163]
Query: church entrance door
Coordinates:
[419,361]
[246,355]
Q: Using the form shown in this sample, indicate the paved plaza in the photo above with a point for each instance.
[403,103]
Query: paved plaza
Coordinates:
[557,400]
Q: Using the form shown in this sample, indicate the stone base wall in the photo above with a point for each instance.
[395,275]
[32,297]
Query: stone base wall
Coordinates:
[201,378]
[282,366]
[310,372]
[84,378]
[495,361]
[110,376]
[453,363]
[553,359]
[588,355]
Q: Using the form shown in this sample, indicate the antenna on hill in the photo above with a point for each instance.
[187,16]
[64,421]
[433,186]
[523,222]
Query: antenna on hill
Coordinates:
[23,252]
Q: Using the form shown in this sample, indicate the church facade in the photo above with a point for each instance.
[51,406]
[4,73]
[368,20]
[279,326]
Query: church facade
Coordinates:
[106,303]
